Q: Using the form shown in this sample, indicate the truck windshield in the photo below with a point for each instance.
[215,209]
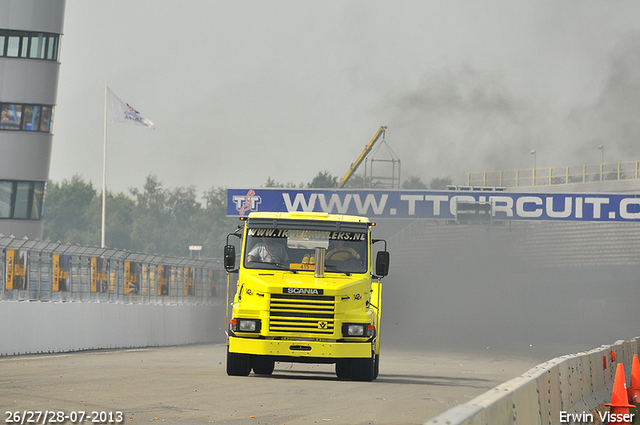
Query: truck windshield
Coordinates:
[287,249]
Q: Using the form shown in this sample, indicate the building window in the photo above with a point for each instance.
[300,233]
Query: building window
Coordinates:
[10,117]
[21,200]
[29,45]
[6,190]
[21,205]
[31,118]
[13,46]
[26,117]
[37,201]
[45,120]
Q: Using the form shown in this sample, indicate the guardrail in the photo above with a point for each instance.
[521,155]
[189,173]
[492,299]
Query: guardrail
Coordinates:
[556,175]
[577,384]
[32,270]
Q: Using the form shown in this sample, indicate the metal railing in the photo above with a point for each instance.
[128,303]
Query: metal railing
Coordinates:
[556,175]
[32,270]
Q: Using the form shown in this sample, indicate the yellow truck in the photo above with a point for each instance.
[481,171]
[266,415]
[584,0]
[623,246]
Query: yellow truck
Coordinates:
[308,291]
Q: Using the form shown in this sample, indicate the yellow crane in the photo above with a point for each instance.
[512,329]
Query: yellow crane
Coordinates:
[363,155]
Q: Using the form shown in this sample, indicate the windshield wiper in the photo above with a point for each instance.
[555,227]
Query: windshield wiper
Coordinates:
[267,262]
[333,268]
[279,266]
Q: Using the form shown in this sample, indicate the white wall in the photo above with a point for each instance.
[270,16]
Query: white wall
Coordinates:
[577,384]
[45,327]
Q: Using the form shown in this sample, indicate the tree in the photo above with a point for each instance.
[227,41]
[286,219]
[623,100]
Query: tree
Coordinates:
[323,180]
[356,181]
[68,213]
[186,226]
[440,183]
[120,215]
[272,183]
[414,182]
[216,221]
[151,218]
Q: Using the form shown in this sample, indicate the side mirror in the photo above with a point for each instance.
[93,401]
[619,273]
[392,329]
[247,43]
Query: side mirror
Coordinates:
[382,263]
[229,258]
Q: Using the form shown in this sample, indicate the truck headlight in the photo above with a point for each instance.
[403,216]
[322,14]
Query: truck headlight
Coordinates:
[245,325]
[357,329]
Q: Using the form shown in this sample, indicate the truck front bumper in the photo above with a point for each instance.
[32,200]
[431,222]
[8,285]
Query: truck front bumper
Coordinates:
[299,349]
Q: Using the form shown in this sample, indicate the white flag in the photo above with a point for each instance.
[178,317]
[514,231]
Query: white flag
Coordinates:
[121,111]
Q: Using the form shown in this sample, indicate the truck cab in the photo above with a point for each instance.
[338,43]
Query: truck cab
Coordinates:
[307,291]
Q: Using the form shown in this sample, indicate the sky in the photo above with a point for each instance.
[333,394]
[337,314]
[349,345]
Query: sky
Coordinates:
[243,91]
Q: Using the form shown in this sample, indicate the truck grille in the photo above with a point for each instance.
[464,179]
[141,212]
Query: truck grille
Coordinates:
[308,314]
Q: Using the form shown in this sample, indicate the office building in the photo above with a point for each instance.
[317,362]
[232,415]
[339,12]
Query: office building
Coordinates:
[30,39]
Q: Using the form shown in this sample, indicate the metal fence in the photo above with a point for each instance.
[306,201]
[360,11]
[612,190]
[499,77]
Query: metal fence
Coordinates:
[32,270]
[556,175]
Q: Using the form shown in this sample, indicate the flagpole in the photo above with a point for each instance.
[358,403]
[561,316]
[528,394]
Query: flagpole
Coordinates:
[104,169]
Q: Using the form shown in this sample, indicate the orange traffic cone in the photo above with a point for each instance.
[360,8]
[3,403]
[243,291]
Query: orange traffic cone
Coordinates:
[619,412]
[634,386]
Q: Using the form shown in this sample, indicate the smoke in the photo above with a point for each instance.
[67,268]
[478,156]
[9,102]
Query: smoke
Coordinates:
[459,121]
[478,288]
[613,119]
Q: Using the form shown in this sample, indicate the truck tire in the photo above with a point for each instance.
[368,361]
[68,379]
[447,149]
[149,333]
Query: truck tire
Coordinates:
[263,366]
[238,364]
[364,369]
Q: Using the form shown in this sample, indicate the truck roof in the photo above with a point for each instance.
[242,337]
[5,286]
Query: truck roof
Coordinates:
[301,215]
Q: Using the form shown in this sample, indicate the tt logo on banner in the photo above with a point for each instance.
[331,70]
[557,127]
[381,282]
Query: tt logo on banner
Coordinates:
[246,203]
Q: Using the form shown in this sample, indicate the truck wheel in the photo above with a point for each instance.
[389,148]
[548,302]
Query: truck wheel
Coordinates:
[238,364]
[343,369]
[364,369]
[263,366]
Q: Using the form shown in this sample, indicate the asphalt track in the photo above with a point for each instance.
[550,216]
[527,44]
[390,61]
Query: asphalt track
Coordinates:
[189,385]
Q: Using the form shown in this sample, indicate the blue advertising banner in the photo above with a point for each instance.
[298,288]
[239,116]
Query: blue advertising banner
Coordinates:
[437,204]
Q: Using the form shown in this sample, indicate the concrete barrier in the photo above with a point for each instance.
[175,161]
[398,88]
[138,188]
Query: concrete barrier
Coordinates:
[45,327]
[577,384]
